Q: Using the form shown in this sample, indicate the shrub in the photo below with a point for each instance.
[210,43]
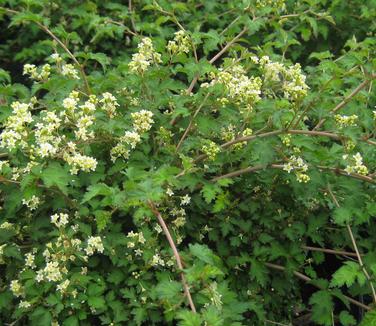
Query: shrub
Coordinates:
[192,163]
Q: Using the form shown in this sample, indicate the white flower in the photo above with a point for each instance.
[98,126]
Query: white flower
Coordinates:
[185,200]
[69,71]
[145,57]
[32,202]
[60,220]
[24,304]
[94,244]
[169,192]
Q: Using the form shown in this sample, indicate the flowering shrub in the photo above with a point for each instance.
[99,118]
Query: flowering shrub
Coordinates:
[191,163]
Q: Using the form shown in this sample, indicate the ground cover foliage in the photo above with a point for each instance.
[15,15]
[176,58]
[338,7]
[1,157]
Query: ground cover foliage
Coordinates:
[187,163]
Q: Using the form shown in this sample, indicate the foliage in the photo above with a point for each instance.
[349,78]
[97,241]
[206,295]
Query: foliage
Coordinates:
[247,128]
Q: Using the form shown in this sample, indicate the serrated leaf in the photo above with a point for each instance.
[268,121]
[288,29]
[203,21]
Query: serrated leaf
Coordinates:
[56,175]
[322,307]
[348,274]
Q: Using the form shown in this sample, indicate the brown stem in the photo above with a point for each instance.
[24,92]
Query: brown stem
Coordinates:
[175,251]
[191,122]
[308,279]
[330,251]
[280,166]
[278,132]
[49,32]
[346,100]
[55,38]
[131,16]
[212,60]
[359,256]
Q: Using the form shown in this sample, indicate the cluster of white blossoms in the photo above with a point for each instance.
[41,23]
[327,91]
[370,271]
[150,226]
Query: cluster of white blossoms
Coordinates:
[297,165]
[46,135]
[15,131]
[145,56]
[356,165]
[30,259]
[60,220]
[41,74]
[230,133]
[240,89]
[157,260]
[180,44]
[142,122]
[135,241]
[291,78]
[94,244]
[32,203]
[16,288]
[276,4]
[79,162]
[211,149]
[109,104]
[346,120]
[69,71]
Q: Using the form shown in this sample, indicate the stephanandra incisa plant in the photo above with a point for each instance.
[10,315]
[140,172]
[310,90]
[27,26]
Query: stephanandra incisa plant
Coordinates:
[203,178]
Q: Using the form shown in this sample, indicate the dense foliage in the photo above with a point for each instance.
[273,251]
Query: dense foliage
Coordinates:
[187,163]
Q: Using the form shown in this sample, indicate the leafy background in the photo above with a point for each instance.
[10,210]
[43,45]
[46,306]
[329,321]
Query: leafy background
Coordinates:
[254,246]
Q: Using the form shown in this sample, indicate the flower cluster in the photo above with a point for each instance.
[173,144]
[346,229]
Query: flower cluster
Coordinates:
[291,78]
[109,104]
[32,203]
[46,135]
[79,162]
[94,244]
[345,120]
[69,71]
[42,75]
[60,220]
[145,57]
[15,128]
[299,166]
[357,165]
[16,288]
[240,89]
[180,44]
[142,122]
[211,149]
[229,133]
[276,4]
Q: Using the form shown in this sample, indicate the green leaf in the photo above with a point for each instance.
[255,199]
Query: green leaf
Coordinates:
[168,290]
[189,318]
[71,321]
[96,190]
[56,175]
[342,215]
[322,307]
[102,218]
[41,316]
[203,253]
[346,319]
[369,319]
[96,302]
[348,274]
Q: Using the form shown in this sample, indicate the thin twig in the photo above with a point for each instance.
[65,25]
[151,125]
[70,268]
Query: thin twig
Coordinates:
[281,166]
[309,280]
[330,251]
[346,100]
[55,38]
[191,122]
[131,16]
[355,247]
[175,251]
[212,60]
[278,132]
